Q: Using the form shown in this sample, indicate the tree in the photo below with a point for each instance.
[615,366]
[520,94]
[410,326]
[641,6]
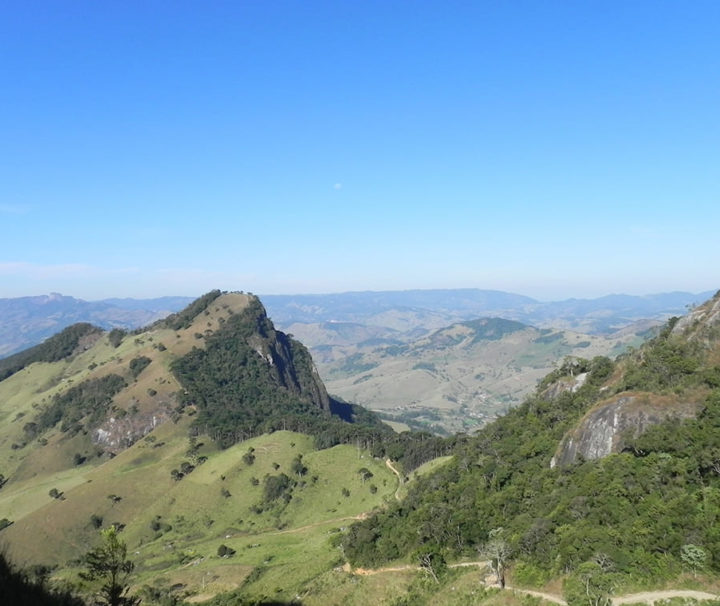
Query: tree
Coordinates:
[365,474]
[225,552]
[249,457]
[115,336]
[590,585]
[497,550]
[297,466]
[693,556]
[108,563]
[433,563]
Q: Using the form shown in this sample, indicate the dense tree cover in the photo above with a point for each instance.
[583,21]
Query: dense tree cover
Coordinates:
[185,317]
[90,398]
[493,329]
[21,588]
[238,392]
[53,349]
[630,516]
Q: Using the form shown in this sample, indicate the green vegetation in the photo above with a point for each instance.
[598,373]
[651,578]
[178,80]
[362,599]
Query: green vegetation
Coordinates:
[183,319]
[137,365]
[55,348]
[353,365]
[90,398]
[116,336]
[493,329]
[261,397]
[265,520]
[108,564]
[643,515]
[239,394]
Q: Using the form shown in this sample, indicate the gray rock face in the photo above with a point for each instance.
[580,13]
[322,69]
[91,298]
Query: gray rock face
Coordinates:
[706,317]
[600,431]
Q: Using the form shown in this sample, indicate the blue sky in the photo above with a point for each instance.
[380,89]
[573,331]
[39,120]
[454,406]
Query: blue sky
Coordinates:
[554,149]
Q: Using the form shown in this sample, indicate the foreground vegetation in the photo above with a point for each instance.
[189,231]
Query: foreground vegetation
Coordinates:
[636,518]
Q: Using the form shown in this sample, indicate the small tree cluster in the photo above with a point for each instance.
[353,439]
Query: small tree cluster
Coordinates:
[225,552]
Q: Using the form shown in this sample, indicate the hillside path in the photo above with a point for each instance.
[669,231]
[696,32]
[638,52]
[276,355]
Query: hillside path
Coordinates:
[361,516]
[392,468]
[539,594]
[371,571]
[649,597]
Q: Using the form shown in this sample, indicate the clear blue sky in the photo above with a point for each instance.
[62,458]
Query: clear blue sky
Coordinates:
[553,149]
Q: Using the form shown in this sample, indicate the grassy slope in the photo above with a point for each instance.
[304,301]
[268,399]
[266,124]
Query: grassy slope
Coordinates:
[291,542]
[23,394]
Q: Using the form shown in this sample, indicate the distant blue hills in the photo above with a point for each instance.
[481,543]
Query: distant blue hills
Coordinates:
[26,321]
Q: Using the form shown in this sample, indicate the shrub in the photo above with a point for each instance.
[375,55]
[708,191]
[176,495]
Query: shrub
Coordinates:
[137,365]
[116,336]
[225,552]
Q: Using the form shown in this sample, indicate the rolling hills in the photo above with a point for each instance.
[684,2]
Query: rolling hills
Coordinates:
[459,377]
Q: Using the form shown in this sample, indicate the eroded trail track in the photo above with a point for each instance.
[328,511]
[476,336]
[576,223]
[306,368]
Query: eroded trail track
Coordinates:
[392,468]
[647,597]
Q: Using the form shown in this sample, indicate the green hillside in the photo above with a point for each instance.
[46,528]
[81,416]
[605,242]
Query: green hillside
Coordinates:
[179,435]
[643,515]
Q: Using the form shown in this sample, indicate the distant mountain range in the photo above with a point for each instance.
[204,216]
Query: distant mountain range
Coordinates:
[26,321]
[432,309]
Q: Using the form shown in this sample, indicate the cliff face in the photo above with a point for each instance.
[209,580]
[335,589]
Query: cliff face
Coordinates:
[602,429]
[669,377]
[287,360]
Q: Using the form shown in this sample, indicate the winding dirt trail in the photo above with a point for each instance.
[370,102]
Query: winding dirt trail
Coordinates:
[647,597]
[392,468]
[549,597]
[361,516]
[650,597]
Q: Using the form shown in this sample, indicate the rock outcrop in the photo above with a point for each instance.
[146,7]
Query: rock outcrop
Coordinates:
[601,430]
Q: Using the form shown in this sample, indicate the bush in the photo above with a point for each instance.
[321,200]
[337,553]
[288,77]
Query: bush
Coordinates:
[249,457]
[225,552]
[137,365]
[116,336]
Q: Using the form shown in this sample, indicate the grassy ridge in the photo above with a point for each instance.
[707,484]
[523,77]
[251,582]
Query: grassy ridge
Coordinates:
[53,349]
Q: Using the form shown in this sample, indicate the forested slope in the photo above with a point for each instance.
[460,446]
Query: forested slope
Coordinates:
[643,514]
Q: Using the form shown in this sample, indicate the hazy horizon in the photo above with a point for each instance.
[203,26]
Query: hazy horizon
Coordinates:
[310,294]
[555,150]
